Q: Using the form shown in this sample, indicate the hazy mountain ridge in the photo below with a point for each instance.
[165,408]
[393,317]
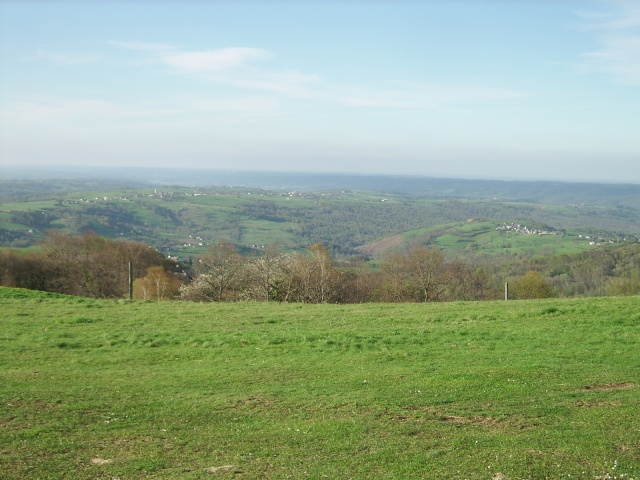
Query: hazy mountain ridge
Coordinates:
[551,192]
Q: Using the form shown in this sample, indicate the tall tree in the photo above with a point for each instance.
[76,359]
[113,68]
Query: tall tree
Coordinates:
[322,279]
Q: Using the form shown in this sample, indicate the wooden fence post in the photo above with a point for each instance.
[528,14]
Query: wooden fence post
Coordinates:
[130,280]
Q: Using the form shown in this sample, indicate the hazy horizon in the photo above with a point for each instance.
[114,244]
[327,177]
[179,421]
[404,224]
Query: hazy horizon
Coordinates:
[487,90]
[262,178]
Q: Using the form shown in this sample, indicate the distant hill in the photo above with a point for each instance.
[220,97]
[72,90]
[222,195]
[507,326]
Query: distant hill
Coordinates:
[428,187]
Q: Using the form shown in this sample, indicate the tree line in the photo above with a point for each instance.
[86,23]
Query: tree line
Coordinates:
[84,265]
[415,274]
[94,266]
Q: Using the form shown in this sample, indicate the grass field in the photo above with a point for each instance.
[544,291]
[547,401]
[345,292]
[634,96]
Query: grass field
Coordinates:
[492,390]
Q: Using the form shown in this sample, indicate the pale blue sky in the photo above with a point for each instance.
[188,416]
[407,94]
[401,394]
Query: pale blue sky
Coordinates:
[473,89]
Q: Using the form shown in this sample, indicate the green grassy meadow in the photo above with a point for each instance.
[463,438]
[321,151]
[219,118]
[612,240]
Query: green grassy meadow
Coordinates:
[510,390]
[482,237]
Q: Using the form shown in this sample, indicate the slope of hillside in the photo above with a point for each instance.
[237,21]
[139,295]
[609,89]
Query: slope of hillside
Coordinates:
[116,389]
[488,238]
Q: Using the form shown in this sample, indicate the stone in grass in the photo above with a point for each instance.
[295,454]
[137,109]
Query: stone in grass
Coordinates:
[100,461]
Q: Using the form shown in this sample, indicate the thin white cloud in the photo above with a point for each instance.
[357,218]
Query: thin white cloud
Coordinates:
[234,66]
[619,58]
[618,34]
[243,67]
[215,60]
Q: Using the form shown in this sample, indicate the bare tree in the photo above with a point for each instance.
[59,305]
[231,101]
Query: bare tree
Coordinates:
[157,284]
[426,273]
[395,286]
[220,270]
[322,279]
[417,274]
[263,276]
[469,283]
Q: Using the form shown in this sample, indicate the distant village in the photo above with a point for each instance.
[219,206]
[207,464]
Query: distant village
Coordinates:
[525,230]
[173,195]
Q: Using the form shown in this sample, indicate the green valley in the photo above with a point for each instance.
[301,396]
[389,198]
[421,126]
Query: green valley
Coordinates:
[182,221]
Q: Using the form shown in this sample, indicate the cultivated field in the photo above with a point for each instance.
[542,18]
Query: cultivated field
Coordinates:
[491,390]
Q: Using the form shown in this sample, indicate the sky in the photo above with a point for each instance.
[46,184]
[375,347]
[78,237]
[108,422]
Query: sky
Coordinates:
[522,90]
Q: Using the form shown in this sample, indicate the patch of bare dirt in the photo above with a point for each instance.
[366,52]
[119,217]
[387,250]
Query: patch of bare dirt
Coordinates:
[609,386]
[597,404]
[409,416]
[45,405]
[223,468]
[475,420]
[381,246]
[101,461]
